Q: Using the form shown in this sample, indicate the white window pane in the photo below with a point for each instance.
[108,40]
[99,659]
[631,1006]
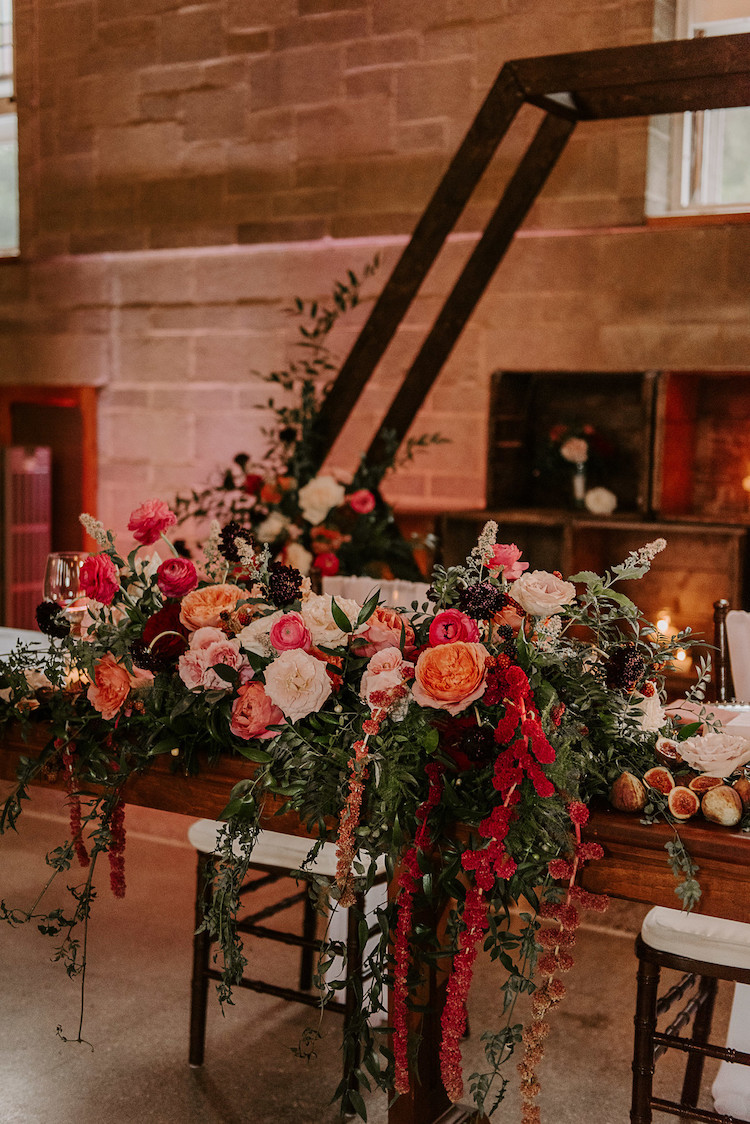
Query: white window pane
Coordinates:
[8,184]
[735,181]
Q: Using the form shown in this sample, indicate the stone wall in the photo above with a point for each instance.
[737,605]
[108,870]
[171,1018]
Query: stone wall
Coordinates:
[187,170]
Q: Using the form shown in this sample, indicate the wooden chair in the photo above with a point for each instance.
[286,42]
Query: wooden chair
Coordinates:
[275,856]
[705,950]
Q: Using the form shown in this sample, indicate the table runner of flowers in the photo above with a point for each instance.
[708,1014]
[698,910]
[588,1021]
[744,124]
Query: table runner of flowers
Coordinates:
[462,739]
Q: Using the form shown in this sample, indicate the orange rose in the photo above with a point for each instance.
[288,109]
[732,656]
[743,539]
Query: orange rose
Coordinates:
[451,676]
[203,607]
[112,684]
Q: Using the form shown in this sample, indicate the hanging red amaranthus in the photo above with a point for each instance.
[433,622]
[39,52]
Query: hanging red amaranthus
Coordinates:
[556,939]
[525,750]
[408,881]
[117,850]
[74,801]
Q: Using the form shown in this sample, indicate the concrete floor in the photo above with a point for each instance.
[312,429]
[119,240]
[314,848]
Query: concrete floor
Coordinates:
[138,998]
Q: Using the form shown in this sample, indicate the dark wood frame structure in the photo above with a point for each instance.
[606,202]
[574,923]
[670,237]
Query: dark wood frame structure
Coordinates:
[671,77]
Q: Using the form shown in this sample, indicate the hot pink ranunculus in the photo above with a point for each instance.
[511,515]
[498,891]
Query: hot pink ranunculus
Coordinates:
[253,712]
[452,625]
[362,501]
[112,684]
[176,577]
[150,520]
[384,630]
[327,563]
[507,556]
[290,631]
[100,578]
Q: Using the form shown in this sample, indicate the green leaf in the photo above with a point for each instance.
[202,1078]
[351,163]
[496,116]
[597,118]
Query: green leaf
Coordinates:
[340,617]
[355,1099]
[368,608]
[588,577]
[228,674]
[250,753]
[688,731]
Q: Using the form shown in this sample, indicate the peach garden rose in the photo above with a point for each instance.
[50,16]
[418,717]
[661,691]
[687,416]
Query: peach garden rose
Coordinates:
[384,629]
[203,607]
[450,676]
[253,712]
[112,684]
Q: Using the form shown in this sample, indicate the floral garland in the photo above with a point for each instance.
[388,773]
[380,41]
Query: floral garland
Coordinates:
[462,740]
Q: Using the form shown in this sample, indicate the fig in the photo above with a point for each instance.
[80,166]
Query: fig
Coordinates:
[703,782]
[667,752]
[683,803]
[721,804]
[742,788]
[660,779]
[627,794]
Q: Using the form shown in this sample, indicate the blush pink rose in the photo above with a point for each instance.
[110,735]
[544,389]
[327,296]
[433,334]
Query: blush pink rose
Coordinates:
[203,607]
[383,680]
[290,631]
[507,556]
[253,712]
[452,625]
[451,676]
[383,630]
[150,520]
[362,502]
[297,683]
[100,578]
[176,577]
[112,684]
[196,666]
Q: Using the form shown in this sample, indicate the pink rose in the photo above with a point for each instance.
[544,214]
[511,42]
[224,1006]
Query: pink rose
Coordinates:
[451,676]
[253,712]
[100,578]
[382,684]
[452,625]
[196,666]
[112,684]
[362,501]
[290,632]
[507,556]
[542,594]
[176,577]
[297,683]
[384,630]
[150,520]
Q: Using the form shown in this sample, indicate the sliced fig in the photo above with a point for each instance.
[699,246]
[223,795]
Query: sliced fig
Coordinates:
[660,779]
[742,788]
[683,802]
[723,805]
[666,750]
[703,782]
[627,793]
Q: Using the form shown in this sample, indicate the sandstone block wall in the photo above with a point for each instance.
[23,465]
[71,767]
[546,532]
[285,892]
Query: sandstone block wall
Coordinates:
[188,169]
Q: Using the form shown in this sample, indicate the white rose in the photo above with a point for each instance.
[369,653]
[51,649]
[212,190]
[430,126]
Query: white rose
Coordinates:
[542,594]
[254,636]
[318,496]
[296,555]
[318,618]
[649,713]
[297,683]
[600,501]
[272,527]
[717,754]
[36,679]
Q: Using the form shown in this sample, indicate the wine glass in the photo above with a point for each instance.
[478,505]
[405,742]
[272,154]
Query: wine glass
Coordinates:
[62,584]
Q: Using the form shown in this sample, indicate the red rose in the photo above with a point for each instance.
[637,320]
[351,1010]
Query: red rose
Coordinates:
[327,563]
[100,578]
[253,483]
[176,577]
[150,520]
[163,625]
[363,501]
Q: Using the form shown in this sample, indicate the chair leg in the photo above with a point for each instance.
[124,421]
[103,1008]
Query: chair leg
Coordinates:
[701,1030]
[306,959]
[201,956]
[643,1048]
[354,958]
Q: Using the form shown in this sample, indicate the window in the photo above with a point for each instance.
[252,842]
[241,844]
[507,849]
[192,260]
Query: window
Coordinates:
[8,136]
[707,165]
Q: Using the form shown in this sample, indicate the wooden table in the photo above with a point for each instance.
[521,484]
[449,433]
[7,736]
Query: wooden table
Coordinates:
[634,867]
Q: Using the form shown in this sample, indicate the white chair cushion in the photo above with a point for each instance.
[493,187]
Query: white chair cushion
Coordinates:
[713,939]
[272,848]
